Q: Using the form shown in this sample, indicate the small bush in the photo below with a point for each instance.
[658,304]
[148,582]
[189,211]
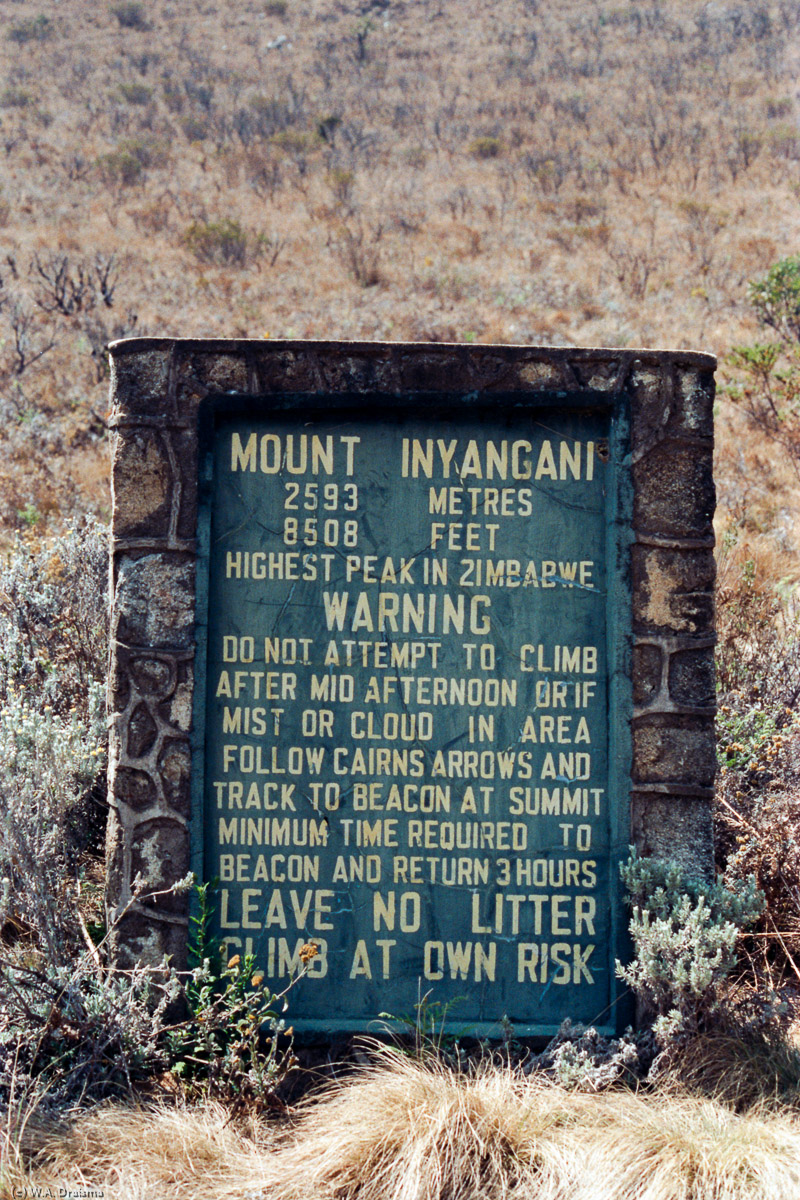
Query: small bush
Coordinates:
[224,242]
[757,815]
[684,934]
[234,1045]
[130,14]
[174,96]
[120,168]
[358,248]
[341,183]
[579,1058]
[485,147]
[201,94]
[194,129]
[13,97]
[47,764]
[73,1027]
[126,165]
[54,617]
[776,298]
[79,1032]
[783,106]
[135,93]
[32,29]
[294,141]
[53,652]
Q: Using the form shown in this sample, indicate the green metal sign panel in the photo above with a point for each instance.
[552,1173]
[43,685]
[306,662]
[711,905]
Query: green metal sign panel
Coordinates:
[413,625]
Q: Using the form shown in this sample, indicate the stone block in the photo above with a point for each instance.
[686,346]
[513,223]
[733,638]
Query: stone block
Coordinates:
[695,412]
[160,855]
[140,382]
[175,767]
[673,590]
[554,375]
[651,407]
[679,828]
[115,855]
[135,788]
[176,709]
[142,488]
[286,371]
[220,372]
[141,938]
[198,374]
[598,375]
[674,749]
[692,676]
[154,602]
[674,490]
[119,683]
[647,661]
[142,732]
[184,444]
[154,677]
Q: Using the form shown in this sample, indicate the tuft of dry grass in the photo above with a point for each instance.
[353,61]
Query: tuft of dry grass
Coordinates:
[405,1130]
[747,1069]
[146,1154]
[411,1131]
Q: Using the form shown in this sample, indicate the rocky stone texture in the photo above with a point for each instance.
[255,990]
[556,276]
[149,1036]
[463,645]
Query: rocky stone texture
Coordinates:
[157,388]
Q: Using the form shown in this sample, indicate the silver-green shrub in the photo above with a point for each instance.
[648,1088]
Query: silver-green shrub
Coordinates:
[53,648]
[80,1032]
[47,764]
[684,934]
[581,1059]
[54,616]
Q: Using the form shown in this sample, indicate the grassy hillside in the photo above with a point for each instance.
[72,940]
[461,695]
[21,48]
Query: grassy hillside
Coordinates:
[581,173]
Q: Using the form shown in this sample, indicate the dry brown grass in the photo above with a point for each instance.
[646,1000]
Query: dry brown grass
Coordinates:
[139,1154]
[410,1131]
[573,173]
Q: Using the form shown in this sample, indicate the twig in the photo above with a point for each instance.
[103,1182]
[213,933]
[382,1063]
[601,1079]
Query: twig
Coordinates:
[794,966]
[90,946]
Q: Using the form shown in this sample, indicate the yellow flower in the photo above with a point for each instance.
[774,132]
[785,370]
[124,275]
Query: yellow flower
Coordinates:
[308,951]
[257,981]
[234,962]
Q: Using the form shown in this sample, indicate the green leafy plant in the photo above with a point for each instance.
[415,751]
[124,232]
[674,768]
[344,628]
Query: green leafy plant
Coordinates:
[425,1029]
[235,1044]
[776,298]
[684,933]
[770,390]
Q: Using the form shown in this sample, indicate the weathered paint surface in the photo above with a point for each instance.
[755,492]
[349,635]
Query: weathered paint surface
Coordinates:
[407,711]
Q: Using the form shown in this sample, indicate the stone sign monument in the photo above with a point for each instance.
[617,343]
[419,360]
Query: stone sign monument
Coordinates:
[409,644]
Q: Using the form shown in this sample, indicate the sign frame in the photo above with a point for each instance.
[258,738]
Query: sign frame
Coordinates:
[164,390]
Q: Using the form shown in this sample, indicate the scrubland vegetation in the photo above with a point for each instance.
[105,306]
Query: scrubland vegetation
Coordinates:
[588,172]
